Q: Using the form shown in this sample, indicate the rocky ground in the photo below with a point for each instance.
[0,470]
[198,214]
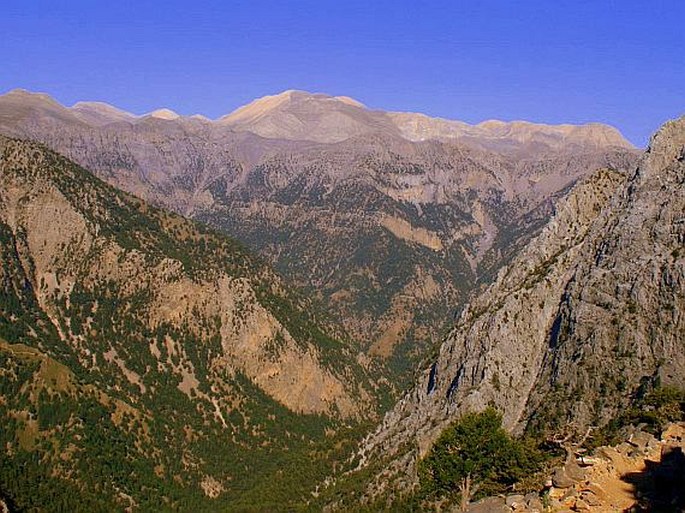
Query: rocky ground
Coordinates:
[642,473]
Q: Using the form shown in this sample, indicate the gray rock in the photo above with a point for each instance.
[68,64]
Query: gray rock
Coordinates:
[535,505]
[568,475]
[515,501]
[574,471]
[605,277]
[642,440]
[489,505]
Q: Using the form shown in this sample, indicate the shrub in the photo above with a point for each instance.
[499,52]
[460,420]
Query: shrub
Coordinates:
[658,408]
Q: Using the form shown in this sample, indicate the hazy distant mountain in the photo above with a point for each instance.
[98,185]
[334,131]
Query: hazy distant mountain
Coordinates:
[99,113]
[297,115]
[167,114]
[516,136]
[20,106]
[390,234]
[302,116]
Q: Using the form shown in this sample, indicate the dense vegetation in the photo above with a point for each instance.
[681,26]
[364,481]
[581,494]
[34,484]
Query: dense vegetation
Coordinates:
[70,447]
[475,456]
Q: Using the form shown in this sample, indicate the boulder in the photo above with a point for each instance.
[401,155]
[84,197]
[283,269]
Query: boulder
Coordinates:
[561,479]
[489,505]
[642,440]
[535,505]
[515,501]
[568,475]
[574,471]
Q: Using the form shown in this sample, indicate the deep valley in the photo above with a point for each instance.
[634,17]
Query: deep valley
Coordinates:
[310,305]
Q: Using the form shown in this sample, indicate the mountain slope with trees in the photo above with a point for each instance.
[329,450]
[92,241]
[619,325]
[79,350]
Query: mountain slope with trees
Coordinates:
[583,322]
[150,362]
[391,229]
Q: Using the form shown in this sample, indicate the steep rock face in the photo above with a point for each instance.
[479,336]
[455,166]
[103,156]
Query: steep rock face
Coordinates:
[626,304]
[591,310]
[390,234]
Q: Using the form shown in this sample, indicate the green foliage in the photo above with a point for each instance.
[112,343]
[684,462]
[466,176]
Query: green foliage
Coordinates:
[658,408]
[652,410]
[63,445]
[476,446]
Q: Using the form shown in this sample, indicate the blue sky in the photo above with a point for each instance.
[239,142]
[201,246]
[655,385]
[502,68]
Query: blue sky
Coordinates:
[619,62]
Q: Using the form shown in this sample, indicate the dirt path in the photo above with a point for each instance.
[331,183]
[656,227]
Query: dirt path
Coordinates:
[624,477]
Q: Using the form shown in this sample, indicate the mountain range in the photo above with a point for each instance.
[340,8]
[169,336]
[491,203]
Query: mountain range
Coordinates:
[301,116]
[287,308]
[388,219]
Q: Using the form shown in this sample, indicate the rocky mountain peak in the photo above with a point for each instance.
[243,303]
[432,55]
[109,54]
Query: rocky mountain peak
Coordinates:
[295,115]
[164,113]
[26,95]
[666,146]
[20,103]
[266,104]
[299,115]
[100,113]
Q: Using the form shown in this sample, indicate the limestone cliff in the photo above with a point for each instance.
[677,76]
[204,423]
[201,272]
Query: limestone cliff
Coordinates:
[591,310]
